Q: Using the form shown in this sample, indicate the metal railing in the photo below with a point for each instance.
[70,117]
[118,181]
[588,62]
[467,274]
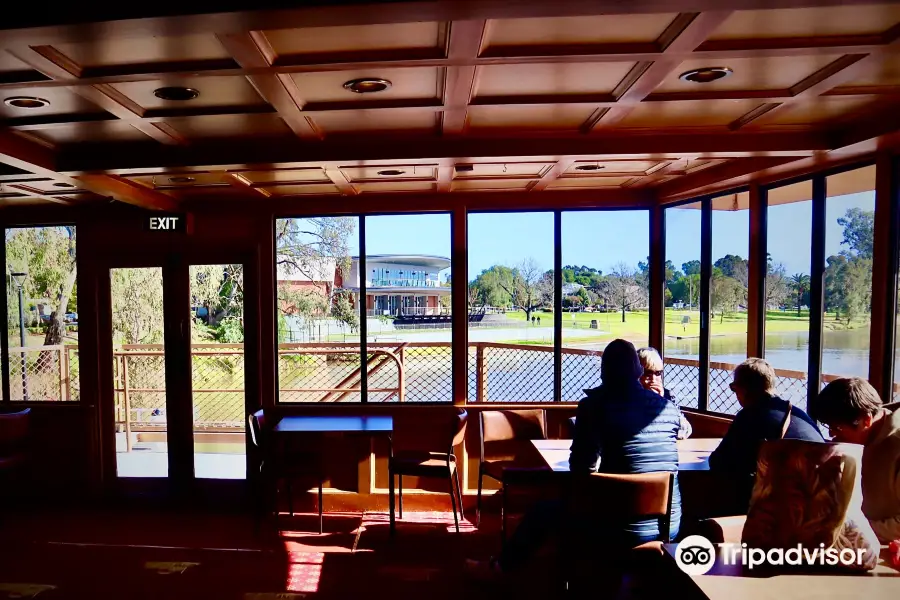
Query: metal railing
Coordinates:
[410,283]
[407,372]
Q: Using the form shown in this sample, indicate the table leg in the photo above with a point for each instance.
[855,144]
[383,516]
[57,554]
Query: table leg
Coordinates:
[391,483]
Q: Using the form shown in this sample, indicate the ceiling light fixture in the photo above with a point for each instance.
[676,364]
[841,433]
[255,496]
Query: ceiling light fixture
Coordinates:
[26,102]
[588,167]
[706,74]
[181,179]
[367,85]
[176,93]
[63,185]
[391,172]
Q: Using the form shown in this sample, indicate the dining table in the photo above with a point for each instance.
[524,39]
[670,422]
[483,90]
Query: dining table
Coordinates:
[693,453]
[354,425]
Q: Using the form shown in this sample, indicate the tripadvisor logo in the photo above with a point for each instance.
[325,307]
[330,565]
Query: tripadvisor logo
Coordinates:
[696,555]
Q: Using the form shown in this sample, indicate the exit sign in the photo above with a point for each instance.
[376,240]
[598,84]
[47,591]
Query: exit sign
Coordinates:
[172,223]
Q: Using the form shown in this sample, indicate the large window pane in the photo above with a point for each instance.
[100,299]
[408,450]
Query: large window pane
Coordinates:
[408,308]
[42,313]
[317,308]
[605,290]
[789,242]
[510,307]
[682,325]
[728,297]
[849,237]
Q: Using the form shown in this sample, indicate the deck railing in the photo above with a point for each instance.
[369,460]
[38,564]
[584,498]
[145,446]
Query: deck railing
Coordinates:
[407,372]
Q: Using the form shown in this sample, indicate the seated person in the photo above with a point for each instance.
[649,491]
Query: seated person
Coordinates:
[853,413]
[652,380]
[762,417]
[633,430]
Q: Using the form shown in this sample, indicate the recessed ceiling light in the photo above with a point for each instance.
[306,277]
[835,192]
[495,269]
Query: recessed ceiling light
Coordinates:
[60,184]
[367,85]
[588,167]
[176,93]
[391,172]
[26,102]
[181,179]
[706,74]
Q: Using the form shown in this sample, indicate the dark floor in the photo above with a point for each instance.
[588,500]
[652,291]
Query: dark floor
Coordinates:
[126,554]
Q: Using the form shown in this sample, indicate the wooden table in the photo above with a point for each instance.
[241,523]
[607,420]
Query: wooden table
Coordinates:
[373,426]
[734,582]
[693,454]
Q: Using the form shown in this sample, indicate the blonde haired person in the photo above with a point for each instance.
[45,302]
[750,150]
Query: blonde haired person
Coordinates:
[762,417]
[652,379]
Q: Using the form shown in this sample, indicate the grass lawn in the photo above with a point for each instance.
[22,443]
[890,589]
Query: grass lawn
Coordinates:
[637,322]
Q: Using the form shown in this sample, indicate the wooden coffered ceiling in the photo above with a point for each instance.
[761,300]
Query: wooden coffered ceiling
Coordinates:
[579,98]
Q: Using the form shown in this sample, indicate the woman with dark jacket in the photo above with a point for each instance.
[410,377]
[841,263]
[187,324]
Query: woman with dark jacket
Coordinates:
[620,428]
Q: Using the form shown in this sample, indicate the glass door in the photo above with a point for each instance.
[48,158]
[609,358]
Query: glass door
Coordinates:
[140,396]
[217,371]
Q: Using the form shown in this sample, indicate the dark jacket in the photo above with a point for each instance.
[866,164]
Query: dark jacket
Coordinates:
[630,430]
[737,453]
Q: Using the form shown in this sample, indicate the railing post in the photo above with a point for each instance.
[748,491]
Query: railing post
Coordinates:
[401,375]
[68,370]
[480,374]
[126,403]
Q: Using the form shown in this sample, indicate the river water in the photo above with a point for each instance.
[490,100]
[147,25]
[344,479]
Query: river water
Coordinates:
[844,352]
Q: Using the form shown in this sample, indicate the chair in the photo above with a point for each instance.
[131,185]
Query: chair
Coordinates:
[15,431]
[569,428]
[599,502]
[276,465]
[505,445]
[440,463]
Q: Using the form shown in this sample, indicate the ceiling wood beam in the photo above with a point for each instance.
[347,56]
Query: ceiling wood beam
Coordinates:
[341,182]
[684,35]
[721,176]
[843,70]
[431,202]
[78,23]
[464,44]
[445,178]
[128,192]
[33,193]
[57,66]
[552,174]
[626,145]
[278,90]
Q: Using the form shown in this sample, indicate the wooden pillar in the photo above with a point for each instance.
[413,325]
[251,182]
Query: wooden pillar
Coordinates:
[267,361]
[4,340]
[756,287]
[363,305]
[657,277]
[459,300]
[557,306]
[884,277]
[816,286]
[705,284]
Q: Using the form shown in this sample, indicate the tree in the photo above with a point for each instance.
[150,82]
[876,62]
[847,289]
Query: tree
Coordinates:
[726,293]
[800,284]
[525,286]
[691,267]
[859,231]
[309,247]
[492,284]
[622,289]
[835,278]
[47,254]
[777,284]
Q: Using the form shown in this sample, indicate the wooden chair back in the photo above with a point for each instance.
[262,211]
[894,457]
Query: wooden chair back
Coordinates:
[14,431]
[602,498]
[505,432]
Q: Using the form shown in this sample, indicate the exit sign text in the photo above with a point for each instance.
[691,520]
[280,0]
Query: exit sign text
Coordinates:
[167,223]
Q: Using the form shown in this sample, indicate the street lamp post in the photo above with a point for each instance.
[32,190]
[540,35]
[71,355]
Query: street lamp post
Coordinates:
[19,280]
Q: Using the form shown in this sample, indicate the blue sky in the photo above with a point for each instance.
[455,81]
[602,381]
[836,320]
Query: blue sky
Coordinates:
[601,239]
